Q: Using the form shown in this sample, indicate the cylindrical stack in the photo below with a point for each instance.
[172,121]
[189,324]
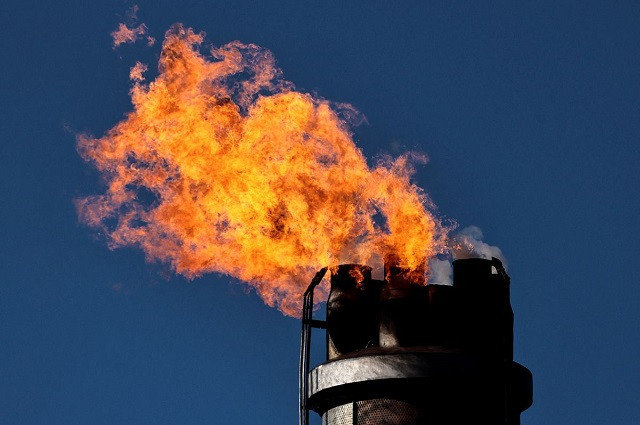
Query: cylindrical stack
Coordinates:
[352,310]
[403,353]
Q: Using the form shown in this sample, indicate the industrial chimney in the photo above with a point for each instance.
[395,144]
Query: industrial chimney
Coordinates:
[401,353]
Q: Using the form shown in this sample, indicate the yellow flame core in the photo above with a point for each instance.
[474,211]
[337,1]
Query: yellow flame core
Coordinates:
[223,167]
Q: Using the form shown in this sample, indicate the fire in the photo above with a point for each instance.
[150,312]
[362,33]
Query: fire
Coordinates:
[135,74]
[124,34]
[223,167]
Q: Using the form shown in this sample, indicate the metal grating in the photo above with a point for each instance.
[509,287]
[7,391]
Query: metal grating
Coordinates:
[341,415]
[373,412]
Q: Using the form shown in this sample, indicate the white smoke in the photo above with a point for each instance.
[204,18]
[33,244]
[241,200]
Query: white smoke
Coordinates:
[467,243]
[441,272]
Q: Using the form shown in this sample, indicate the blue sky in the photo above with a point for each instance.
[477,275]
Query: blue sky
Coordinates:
[529,113]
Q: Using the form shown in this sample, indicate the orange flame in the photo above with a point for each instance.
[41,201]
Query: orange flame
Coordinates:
[223,167]
[124,34]
[135,74]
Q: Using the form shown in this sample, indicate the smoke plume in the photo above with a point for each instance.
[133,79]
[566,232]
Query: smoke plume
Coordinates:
[468,243]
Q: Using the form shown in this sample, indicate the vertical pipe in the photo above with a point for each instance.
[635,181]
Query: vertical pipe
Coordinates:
[305,341]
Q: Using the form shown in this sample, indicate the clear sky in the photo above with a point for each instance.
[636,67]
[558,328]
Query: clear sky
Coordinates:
[529,113]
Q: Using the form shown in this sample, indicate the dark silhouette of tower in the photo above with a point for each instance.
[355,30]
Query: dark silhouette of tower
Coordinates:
[401,353]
